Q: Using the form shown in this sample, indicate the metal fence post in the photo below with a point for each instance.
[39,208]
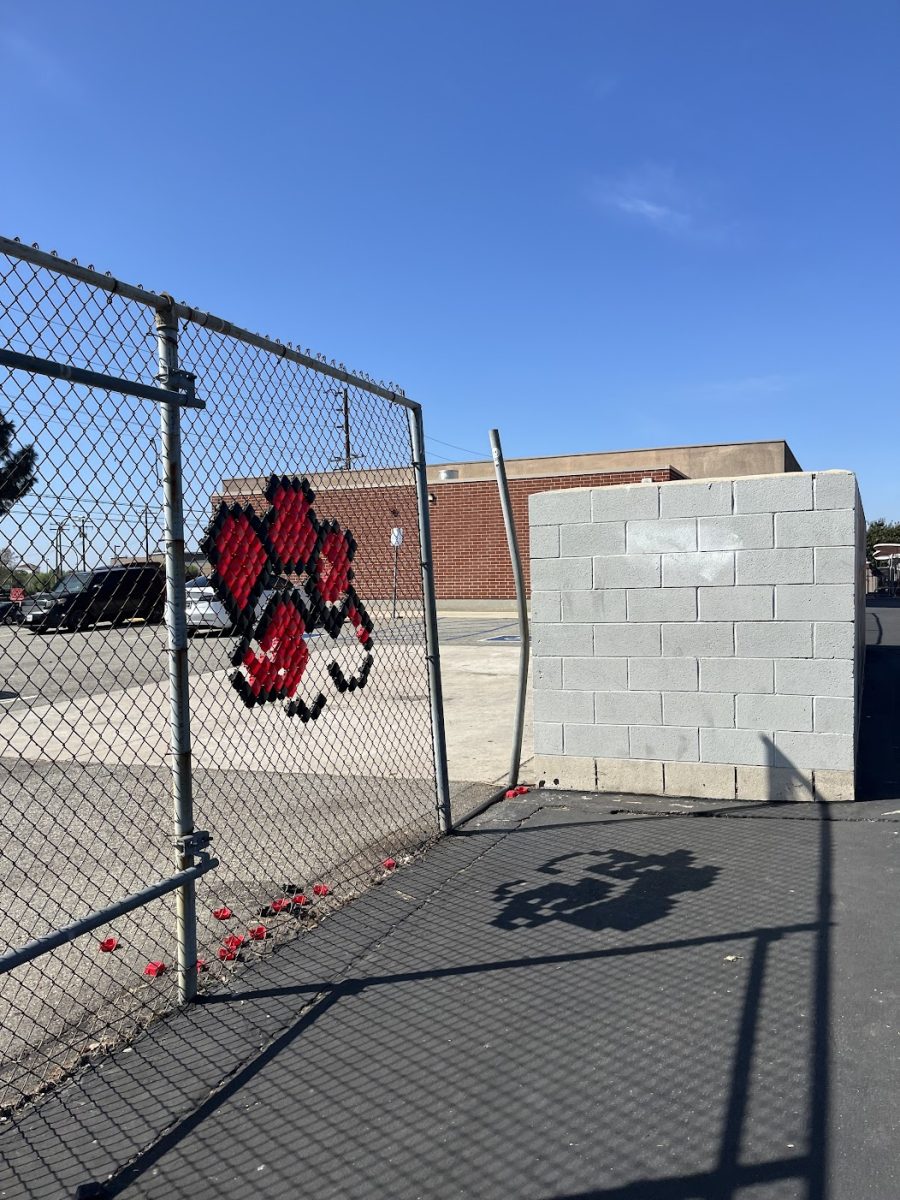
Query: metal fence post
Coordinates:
[432,648]
[521,604]
[176,625]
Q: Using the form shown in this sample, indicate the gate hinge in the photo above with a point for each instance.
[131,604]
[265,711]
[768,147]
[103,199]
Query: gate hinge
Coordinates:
[192,843]
[179,381]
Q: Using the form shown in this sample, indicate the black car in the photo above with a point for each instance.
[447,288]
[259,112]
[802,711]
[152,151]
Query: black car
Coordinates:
[114,594]
[10,610]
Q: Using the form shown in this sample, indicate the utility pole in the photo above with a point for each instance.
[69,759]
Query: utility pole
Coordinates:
[346,460]
[58,547]
[348,457]
[146,535]
[82,524]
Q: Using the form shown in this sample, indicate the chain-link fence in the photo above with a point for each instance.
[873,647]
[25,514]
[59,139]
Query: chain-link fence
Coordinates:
[208,610]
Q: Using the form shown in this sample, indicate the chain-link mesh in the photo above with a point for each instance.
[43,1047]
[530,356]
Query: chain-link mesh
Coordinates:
[305,795]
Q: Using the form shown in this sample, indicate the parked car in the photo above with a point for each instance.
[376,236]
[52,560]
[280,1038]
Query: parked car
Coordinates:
[39,600]
[206,611]
[10,611]
[115,594]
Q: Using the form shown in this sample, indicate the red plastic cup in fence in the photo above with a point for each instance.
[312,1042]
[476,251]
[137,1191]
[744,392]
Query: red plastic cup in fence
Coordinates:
[511,794]
[201,964]
[280,905]
[154,968]
[222,914]
[227,953]
[234,941]
[522,791]
[389,863]
[301,901]
[321,889]
[109,944]
[258,933]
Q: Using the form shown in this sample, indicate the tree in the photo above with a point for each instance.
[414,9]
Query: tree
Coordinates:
[17,468]
[881,530]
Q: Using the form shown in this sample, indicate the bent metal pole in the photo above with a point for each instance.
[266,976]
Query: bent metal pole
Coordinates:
[521,604]
[176,626]
[432,647]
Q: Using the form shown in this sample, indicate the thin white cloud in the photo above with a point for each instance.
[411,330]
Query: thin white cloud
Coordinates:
[34,61]
[655,196]
[751,385]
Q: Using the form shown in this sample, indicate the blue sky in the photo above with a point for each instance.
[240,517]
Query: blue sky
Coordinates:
[596,225]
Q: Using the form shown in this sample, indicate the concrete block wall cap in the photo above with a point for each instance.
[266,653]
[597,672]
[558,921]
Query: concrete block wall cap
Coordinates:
[835,489]
[625,502]
[559,507]
[696,498]
[774,493]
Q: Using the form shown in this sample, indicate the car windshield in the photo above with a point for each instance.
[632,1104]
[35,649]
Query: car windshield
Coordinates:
[72,583]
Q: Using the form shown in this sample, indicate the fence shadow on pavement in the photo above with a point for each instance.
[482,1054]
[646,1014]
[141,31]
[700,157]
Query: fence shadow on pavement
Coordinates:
[625,1020]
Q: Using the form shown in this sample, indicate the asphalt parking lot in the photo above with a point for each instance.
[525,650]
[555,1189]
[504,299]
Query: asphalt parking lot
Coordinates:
[46,667]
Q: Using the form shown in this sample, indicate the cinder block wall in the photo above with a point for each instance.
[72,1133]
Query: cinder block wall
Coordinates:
[700,638]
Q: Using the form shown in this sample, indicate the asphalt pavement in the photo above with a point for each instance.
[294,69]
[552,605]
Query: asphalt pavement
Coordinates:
[576,997]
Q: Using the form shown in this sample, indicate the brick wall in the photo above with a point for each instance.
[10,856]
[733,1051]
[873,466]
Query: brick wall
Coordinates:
[471,559]
[700,638]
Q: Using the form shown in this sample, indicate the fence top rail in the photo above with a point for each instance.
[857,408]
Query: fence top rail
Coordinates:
[158,300]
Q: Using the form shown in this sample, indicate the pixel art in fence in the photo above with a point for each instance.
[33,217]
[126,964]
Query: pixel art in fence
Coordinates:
[254,560]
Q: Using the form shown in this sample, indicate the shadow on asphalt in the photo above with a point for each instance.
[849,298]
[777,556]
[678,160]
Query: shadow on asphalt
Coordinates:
[684,1049]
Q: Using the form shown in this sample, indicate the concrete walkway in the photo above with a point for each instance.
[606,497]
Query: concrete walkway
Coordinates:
[575,997]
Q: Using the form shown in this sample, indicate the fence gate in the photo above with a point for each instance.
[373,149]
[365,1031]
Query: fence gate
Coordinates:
[220,702]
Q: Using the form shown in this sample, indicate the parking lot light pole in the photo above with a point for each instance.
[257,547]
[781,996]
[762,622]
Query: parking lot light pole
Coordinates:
[176,626]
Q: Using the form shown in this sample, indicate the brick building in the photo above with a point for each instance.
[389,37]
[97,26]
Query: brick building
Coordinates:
[471,560]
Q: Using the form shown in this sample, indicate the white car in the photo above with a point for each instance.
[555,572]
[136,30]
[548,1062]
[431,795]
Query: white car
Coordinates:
[204,609]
